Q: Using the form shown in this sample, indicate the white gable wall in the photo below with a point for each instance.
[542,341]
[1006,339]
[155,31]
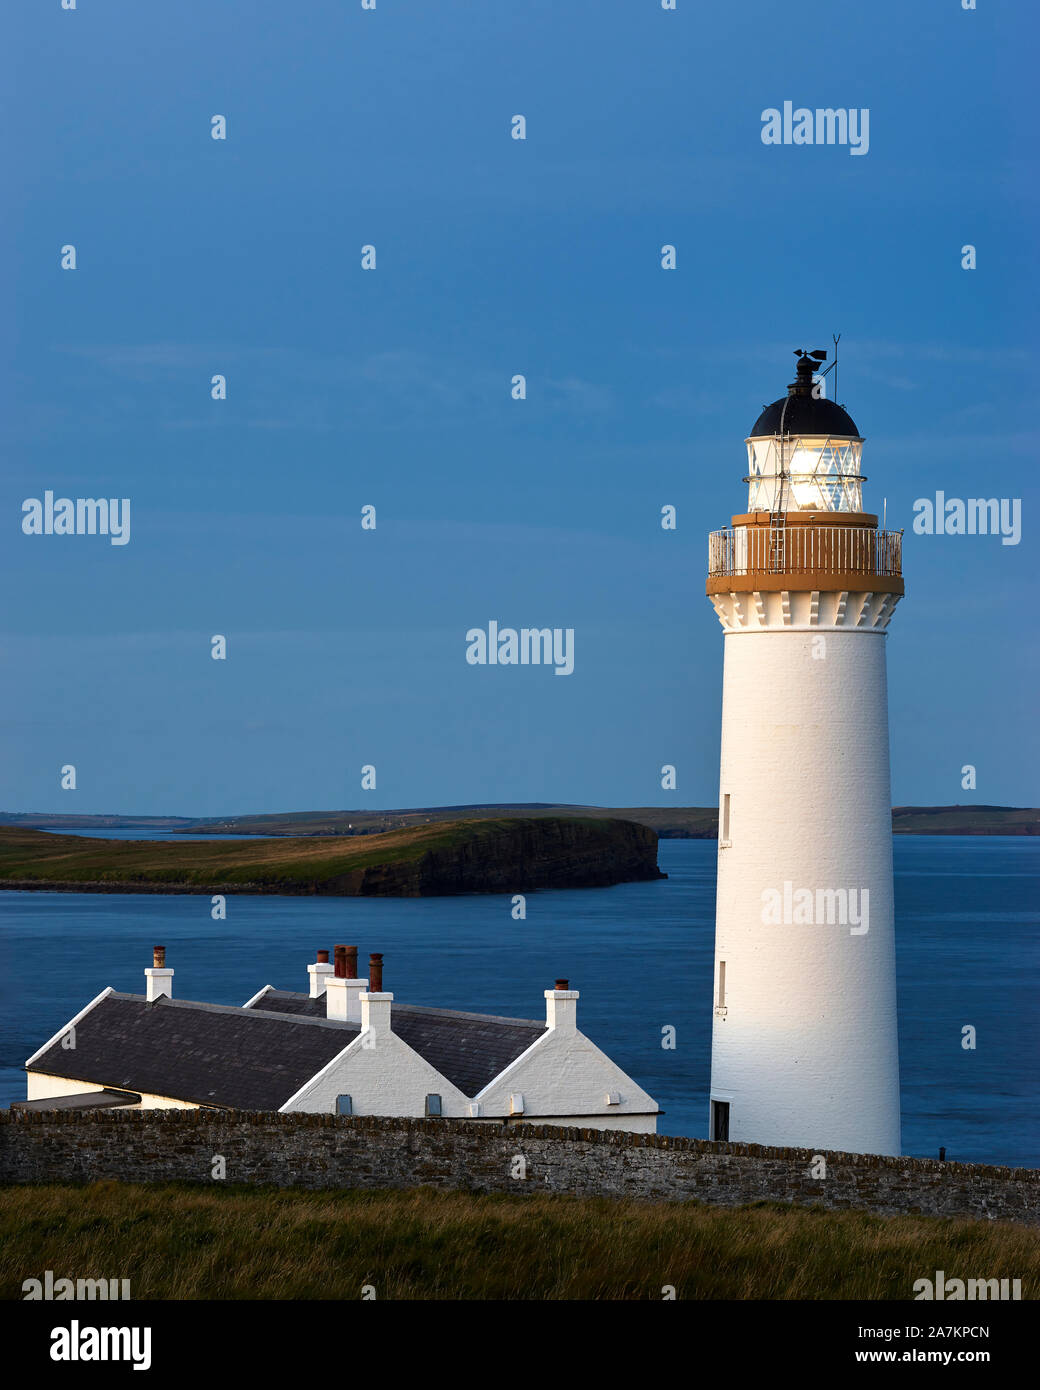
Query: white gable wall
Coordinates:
[564,1079]
[387,1077]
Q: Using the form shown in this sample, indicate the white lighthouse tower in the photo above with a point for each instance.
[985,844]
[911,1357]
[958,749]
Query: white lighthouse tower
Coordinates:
[804,1043]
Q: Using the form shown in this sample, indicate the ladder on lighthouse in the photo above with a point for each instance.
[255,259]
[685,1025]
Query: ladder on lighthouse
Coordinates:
[777,557]
[777,542]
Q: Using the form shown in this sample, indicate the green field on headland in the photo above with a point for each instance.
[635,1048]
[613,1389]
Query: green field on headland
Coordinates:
[175,1241]
[669,822]
[678,823]
[479,856]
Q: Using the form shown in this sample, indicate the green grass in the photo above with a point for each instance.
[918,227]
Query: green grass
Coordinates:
[965,820]
[686,821]
[294,865]
[35,856]
[678,822]
[175,1241]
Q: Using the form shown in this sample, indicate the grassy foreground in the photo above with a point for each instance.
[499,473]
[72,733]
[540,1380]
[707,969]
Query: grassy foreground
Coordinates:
[176,1241]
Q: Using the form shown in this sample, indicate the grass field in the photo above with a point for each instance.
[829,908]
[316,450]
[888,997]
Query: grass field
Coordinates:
[183,1242]
[30,858]
[669,822]
[678,822]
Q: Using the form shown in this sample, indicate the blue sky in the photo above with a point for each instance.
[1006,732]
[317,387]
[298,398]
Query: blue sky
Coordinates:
[392,387]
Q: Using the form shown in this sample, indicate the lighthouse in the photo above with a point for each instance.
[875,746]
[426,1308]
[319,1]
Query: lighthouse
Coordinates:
[804,1039]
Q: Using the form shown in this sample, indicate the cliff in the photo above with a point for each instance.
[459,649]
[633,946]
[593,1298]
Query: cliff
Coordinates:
[518,856]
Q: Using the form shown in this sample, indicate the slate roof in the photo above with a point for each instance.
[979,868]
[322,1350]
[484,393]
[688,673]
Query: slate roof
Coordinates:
[470,1050]
[80,1100]
[206,1054]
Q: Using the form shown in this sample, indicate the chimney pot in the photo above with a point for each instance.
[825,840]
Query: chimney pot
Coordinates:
[351,953]
[323,957]
[158,957]
[339,955]
[562,984]
[375,973]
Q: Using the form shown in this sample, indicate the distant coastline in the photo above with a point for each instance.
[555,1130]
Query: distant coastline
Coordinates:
[669,823]
[513,855]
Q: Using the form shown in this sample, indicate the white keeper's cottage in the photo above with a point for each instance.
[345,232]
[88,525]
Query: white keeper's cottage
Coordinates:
[342,1047]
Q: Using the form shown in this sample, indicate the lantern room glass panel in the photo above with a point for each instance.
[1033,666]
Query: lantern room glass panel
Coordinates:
[805,474]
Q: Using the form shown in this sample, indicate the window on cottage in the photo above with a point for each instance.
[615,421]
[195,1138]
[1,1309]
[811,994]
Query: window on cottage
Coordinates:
[434,1109]
[720,1002]
[724,831]
[344,1105]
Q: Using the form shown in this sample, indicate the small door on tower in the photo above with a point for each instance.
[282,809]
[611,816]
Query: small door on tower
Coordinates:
[720,1119]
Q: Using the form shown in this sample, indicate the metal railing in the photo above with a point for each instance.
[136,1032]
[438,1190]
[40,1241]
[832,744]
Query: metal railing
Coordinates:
[794,549]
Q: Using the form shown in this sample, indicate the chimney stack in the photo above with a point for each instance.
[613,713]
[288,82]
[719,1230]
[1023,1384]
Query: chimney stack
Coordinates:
[343,990]
[375,973]
[158,978]
[375,1013]
[319,973]
[561,1007]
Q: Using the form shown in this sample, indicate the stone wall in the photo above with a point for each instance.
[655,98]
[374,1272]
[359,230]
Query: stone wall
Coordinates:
[319,1151]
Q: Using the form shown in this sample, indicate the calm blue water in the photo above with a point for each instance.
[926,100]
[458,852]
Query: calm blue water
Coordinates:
[641,955]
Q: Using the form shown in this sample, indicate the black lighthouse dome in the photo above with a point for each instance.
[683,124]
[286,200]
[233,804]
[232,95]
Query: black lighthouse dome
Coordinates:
[802,413]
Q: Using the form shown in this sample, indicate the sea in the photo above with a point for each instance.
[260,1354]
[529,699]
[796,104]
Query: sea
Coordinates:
[967,919]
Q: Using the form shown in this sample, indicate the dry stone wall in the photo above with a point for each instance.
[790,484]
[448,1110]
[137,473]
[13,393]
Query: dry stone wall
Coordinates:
[326,1151]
